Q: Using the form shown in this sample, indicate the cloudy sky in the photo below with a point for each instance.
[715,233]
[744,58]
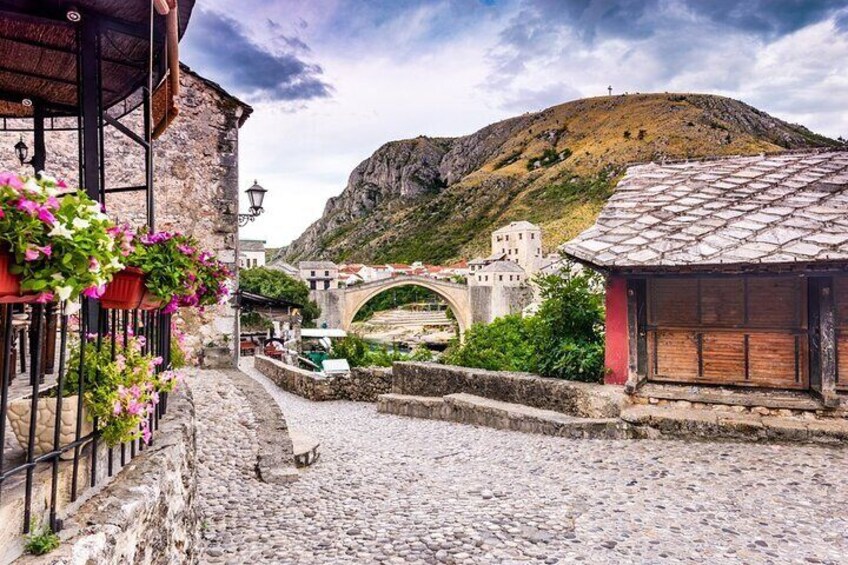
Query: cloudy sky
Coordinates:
[332,80]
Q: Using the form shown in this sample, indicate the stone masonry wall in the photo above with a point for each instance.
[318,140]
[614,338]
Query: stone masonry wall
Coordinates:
[148,514]
[195,178]
[579,399]
[364,384]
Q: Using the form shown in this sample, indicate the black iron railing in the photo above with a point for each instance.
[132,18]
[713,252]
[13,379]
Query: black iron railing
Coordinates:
[36,335]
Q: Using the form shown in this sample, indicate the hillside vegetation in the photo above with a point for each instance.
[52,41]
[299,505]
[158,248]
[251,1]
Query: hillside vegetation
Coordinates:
[437,199]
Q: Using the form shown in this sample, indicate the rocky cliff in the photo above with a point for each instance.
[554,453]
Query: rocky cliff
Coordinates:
[436,199]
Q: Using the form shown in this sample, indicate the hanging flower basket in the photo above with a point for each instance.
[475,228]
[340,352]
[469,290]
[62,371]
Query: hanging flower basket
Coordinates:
[10,285]
[126,291]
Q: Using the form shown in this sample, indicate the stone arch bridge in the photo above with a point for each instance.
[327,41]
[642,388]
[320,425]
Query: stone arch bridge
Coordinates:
[339,306]
[470,304]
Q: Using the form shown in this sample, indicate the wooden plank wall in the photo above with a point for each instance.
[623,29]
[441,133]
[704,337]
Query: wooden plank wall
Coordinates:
[735,331]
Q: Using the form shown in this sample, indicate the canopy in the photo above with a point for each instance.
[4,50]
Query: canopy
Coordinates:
[39,45]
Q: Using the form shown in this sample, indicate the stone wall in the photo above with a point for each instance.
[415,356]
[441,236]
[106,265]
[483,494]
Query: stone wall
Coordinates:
[147,515]
[363,384]
[579,399]
[195,178]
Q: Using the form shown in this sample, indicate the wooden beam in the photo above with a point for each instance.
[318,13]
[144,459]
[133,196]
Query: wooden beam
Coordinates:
[636,334]
[827,320]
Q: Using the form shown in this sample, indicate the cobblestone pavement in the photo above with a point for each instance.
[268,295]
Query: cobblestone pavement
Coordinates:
[389,489]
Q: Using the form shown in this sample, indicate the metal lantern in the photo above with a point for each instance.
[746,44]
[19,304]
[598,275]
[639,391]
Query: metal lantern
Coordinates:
[22,150]
[256,194]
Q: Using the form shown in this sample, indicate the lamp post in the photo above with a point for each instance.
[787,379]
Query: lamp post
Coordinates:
[256,195]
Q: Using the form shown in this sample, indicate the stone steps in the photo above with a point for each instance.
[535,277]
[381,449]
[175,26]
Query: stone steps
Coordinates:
[305,449]
[675,422]
[476,410]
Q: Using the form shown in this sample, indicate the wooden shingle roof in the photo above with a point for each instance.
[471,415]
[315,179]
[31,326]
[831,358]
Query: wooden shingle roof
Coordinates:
[770,210]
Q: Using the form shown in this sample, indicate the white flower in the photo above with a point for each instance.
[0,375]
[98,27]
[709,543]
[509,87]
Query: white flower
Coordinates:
[60,230]
[57,277]
[116,264]
[47,178]
[72,308]
[31,186]
[80,224]
[64,292]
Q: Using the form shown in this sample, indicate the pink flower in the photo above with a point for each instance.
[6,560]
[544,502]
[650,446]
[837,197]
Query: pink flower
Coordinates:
[11,179]
[93,264]
[94,291]
[61,184]
[171,306]
[44,297]
[46,216]
[146,435]
[31,254]
[2,214]
[47,250]
[28,206]
[52,203]
[135,391]
[117,408]
[157,361]
[154,397]
[135,408]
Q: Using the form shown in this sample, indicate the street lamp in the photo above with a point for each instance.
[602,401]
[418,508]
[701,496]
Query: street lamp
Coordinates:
[22,151]
[256,195]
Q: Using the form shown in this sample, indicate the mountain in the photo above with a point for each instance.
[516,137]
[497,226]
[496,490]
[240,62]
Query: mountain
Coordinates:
[437,199]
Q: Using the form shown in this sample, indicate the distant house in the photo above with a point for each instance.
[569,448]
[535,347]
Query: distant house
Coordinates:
[728,272]
[251,253]
[287,268]
[319,275]
[501,273]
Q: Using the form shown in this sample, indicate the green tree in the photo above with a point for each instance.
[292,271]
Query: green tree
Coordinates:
[570,332]
[564,339]
[276,284]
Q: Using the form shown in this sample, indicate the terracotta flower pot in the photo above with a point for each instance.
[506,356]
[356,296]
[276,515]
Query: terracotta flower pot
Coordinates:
[10,285]
[126,290]
[19,417]
[150,302]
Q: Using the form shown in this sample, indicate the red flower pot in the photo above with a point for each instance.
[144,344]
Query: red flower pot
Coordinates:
[126,290]
[10,285]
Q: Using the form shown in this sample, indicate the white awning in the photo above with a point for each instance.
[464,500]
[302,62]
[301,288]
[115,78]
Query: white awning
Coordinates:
[322,332]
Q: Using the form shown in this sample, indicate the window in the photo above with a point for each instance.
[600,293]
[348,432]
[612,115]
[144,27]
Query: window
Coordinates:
[311,273]
[311,285]
[521,236]
[326,273]
[507,238]
[326,285]
[500,277]
[487,278]
[532,236]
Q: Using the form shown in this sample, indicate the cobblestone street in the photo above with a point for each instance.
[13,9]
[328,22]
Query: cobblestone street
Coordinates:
[395,490]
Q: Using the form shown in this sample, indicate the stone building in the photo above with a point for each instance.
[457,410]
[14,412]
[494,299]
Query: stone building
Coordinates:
[196,183]
[319,275]
[251,253]
[521,243]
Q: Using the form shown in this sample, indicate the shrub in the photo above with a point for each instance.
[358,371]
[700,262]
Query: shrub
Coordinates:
[507,344]
[41,540]
[564,339]
[359,353]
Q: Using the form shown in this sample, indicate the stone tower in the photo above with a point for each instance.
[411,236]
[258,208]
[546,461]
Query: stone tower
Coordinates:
[521,243]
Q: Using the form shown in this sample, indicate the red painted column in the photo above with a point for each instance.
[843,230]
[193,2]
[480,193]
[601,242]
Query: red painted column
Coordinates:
[616,353]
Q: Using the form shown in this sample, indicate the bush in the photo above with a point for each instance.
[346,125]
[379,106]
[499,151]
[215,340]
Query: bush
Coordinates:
[277,284]
[507,344]
[359,353]
[563,340]
[41,540]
